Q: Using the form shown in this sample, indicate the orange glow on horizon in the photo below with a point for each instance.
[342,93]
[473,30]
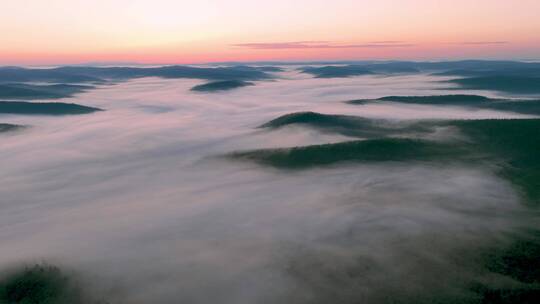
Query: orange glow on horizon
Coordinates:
[168,32]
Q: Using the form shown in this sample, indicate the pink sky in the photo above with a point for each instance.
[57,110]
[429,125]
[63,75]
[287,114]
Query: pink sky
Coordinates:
[184,31]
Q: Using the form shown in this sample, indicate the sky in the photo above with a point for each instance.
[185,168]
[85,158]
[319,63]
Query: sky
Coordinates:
[187,31]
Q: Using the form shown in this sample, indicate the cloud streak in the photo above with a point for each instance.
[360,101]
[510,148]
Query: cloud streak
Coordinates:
[483,42]
[388,42]
[320,45]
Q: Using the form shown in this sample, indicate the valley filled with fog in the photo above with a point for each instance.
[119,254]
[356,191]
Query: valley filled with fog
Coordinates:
[163,196]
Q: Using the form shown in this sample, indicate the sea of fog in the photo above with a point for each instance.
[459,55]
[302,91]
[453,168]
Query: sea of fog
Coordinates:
[136,203]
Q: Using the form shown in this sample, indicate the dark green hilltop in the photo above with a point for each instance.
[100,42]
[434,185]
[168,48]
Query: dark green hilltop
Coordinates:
[511,144]
[223,85]
[458,99]
[25,91]
[503,76]
[44,108]
[523,106]
[39,284]
[90,74]
[371,150]
[503,83]
[346,124]
[4,127]
[43,283]
[337,71]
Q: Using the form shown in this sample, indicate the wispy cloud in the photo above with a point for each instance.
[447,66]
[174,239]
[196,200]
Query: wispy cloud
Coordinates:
[320,45]
[388,42]
[483,42]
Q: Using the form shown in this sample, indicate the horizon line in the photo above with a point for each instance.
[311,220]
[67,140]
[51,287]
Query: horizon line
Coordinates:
[287,62]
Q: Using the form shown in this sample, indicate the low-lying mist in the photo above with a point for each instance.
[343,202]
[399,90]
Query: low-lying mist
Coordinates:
[135,204]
